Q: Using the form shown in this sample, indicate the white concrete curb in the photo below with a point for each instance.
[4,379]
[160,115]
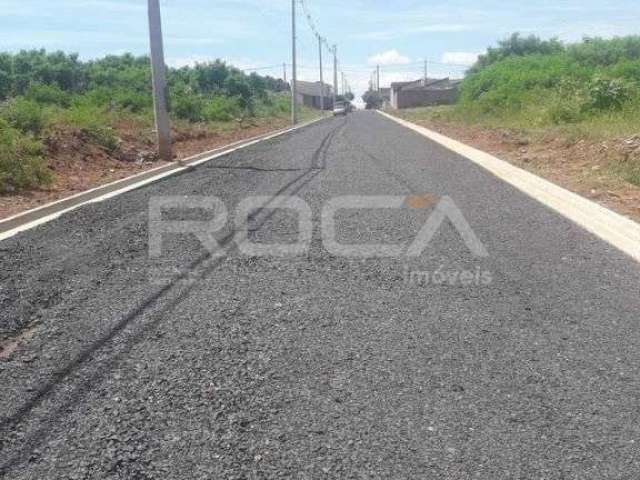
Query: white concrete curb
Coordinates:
[32,218]
[617,230]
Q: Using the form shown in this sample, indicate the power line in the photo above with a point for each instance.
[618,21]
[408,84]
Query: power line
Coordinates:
[312,25]
[405,66]
[257,69]
[323,41]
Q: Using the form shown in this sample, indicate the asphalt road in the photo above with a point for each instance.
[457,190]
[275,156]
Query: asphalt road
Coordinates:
[201,366]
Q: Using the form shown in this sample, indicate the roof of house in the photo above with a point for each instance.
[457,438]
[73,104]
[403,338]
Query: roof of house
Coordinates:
[312,88]
[432,84]
[399,85]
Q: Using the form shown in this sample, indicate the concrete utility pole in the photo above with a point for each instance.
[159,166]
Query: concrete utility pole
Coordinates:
[335,74]
[321,78]
[378,78]
[284,71]
[158,70]
[294,73]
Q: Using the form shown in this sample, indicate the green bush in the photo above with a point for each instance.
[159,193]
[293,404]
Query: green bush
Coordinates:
[187,106]
[22,165]
[600,52]
[25,115]
[503,84]
[115,99]
[566,111]
[46,68]
[98,97]
[608,94]
[196,108]
[273,105]
[221,109]
[94,122]
[48,95]
[119,72]
[530,83]
[6,75]
[123,82]
[104,136]
[628,70]
[517,46]
[132,101]
[39,89]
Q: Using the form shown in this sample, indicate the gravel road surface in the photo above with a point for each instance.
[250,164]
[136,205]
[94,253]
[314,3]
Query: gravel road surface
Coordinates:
[523,364]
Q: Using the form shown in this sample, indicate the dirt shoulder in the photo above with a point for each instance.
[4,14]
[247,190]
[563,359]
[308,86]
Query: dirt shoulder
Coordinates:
[79,164]
[587,167]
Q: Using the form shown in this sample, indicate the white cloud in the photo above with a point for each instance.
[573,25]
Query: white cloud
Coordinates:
[390,57]
[460,58]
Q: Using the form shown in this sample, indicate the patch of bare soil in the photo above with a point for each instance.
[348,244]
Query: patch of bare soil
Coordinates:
[79,164]
[582,166]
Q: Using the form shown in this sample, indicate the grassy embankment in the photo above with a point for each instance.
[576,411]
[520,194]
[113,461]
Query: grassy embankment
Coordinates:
[53,101]
[545,91]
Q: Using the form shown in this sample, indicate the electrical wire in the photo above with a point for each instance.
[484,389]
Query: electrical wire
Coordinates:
[316,32]
[400,67]
[257,69]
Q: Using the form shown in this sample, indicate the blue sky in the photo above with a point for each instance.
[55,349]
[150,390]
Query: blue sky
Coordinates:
[256,33]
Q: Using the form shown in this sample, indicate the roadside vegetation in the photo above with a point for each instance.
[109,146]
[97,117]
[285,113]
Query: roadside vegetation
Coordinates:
[45,96]
[570,112]
[544,91]
[592,87]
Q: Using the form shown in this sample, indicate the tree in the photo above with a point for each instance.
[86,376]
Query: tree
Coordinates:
[6,72]
[373,99]
[210,77]
[237,86]
[257,84]
[518,46]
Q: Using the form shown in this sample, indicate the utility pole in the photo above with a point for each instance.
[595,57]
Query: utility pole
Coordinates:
[321,78]
[158,70]
[335,74]
[294,74]
[284,71]
[378,78]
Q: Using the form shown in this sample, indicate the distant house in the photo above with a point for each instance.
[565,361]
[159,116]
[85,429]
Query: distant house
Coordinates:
[435,91]
[309,94]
